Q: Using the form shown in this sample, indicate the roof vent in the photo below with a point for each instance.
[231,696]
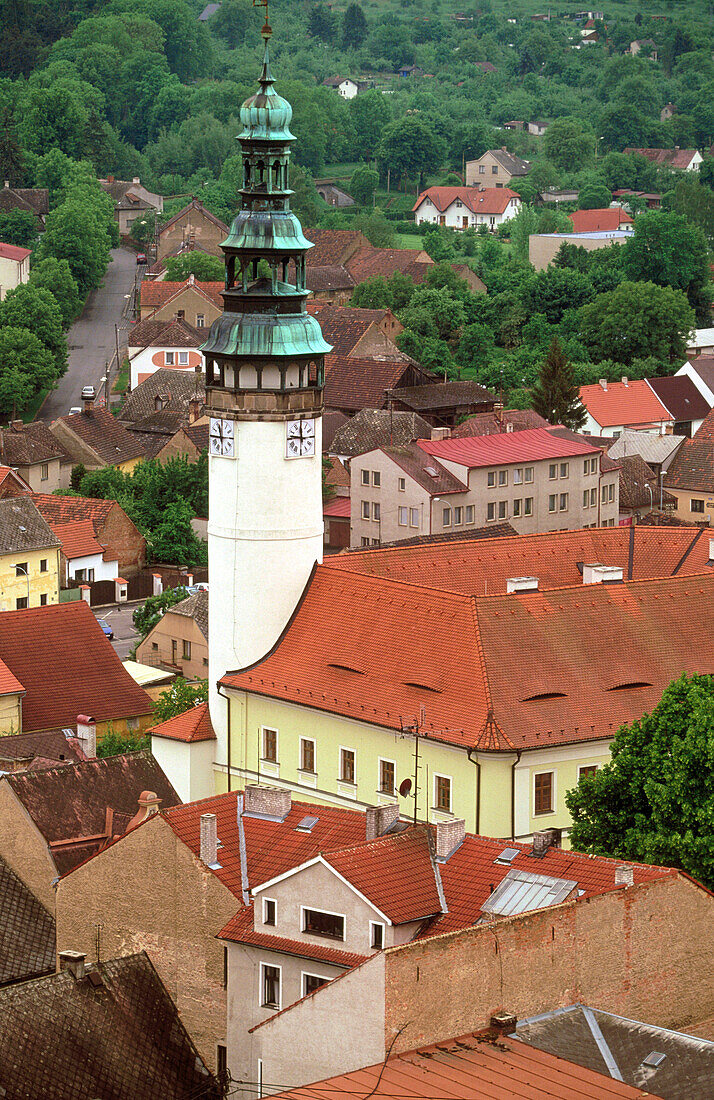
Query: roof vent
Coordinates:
[507,856]
[522,584]
[597,573]
[431,471]
[306,824]
[654,1060]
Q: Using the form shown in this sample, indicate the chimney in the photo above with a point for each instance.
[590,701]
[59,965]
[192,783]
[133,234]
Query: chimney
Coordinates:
[449,837]
[440,433]
[624,875]
[136,179]
[87,735]
[522,584]
[7,183]
[603,383]
[194,410]
[509,426]
[191,279]
[149,804]
[88,400]
[17,425]
[181,313]
[380,819]
[624,379]
[270,803]
[504,1023]
[209,840]
[73,961]
[542,841]
[597,573]
[110,179]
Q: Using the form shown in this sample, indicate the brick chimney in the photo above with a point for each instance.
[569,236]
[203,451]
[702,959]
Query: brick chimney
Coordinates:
[194,410]
[272,803]
[73,961]
[449,836]
[17,425]
[542,841]
[87,403]
[209,840]
[149,804]
[624,875]
[504,1023]
[87,735]
[379,819]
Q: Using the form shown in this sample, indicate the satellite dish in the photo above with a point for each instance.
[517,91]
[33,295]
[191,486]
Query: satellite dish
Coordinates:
[405,787]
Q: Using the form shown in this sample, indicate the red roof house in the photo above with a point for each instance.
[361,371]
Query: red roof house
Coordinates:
[626,404]
[599,221]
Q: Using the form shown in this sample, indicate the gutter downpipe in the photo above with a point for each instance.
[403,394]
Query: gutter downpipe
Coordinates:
[513,794]
[477,765]
[228,730]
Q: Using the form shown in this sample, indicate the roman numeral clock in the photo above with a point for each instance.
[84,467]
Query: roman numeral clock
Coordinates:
[300,439]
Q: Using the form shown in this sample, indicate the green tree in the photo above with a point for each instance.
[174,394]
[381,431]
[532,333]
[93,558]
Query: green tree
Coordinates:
[32,307]
[636,320]
[26,367]
[668,250]
[173,538]
[654,800]
[569,144]
[520,229]
[55,276]
[696,202]
[143,230]
[148,615]
[555,290]
[79,235]
[321,23]
[354,27]
[18,227]
[75,478]
[594,196]
[434,313]
[208,269]
[369,112]
[231,22]
[363,184]
[555,394]
[180,697]
[410,147]
[115,744]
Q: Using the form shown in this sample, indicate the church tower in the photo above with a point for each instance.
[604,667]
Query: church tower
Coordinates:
[264,383]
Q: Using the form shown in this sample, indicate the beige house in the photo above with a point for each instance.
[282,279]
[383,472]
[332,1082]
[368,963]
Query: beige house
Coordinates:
[544,247]
[37,456]
[690,476]
[436,487]
[200,304]
[131,201]
[179,641]
[14,267]
[194,225]
[496,168]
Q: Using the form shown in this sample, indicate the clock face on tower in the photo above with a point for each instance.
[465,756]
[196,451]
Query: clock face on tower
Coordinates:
[300,439]
[221,438]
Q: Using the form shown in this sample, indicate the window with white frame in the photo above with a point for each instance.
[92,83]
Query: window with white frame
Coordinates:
[518,476]
[593,497]
[387,776]
[603,495]
[320,922]
[365,477]
[491,478]
[307,754]
[413,517]
[552,502]
[169,358]
[586,769]
[270,744]
[503,509]
[529,474]
[403,516]
[402,484]
[528,506]
[446,517]
[543,792]
[516,508]
[469,513]
[200,320]
[183,358]
[563,503]
[564,469]
[458,516]
[311,982]
[553,471]
[376,511]
[491,511]
[376,477]
[365,509]
[347,765]
[502,478]
[586,466]
[270,977]
[611,492]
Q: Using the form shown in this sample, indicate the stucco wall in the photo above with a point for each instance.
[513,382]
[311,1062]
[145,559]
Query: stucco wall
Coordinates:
[35,477]
[149,892]
[194,224]
[164,646]
[188,767]
[543,248]
[24,848]
[33,584]
[493,174]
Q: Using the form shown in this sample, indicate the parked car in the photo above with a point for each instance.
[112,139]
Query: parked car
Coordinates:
[202,586]
[74,409]
[141,258]
[106,628]
[88,393]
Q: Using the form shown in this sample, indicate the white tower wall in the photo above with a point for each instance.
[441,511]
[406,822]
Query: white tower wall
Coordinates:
[265,533]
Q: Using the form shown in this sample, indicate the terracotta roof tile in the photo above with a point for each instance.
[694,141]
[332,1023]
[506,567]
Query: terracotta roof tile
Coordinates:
[332,421]
[628,404]
[492,423]
[102,432]
[488,200]
[78,539]
[531,445]
[53,746]
[174,389]
[176,333]
[197,206]
[343,327]
[443,395]
[369,262]
[332,246]
[157,294]
[329,277]
[693,465]
[675,158]
[635,476]
[193,607]
[352,383]
[339,507]
[61,511]
[13,252]
[65,642]
[34,199]
[240,930]
[338,476]
[428,472]
[598,221]
[28,444]
[193,725]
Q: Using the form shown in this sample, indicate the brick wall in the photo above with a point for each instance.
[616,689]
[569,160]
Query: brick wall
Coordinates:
[645,952]
[121,537]
[149,892]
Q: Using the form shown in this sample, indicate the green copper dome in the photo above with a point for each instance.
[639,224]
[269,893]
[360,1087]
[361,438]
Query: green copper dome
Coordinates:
[263,335]
[263,231]
[266,115]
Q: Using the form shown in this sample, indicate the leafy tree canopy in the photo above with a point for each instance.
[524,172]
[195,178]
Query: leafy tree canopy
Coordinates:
[33,307]
[180,697]
[18,227]
[555,394]
[55,276]
[206,268]
[637,319]
[147,616]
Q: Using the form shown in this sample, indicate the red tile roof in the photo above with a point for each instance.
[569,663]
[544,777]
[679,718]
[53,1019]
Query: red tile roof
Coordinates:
[240,930]
[628,404]
[157,294]
[599,221]
[427,471]
[61,511]
[554,557]
[199,208]
[530,445]
[343,327]
[489,200]
[100,430]
[493,423]
[369,261]
[693,465]
[9,683]
[177,333]
[395,872]
[472,1067]
[13,252]
[352,383]
[676,158]
[193,725]
[68,667]
[332,246]
[78,538]
[339,507]
[378,651]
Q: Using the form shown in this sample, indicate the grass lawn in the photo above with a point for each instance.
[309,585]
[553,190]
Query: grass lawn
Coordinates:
[122,379]
[34,407]
[338,171]
[408,240]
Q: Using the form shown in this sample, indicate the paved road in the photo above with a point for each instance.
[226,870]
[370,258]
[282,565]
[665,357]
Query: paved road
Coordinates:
[120,620]
[91,338]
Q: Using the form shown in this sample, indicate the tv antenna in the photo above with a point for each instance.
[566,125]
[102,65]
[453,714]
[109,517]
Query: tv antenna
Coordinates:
[414,728]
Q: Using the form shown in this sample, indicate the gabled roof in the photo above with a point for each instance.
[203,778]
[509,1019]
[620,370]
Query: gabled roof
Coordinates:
[176,333]
[623,403]
[513,164]
[378,651]
[477,1066]
[174,389]
[193,607]
[693,465]
[443,395]
[61,511]
[532,445]
[240,929]
[369,261]
[34,199]
[27,932]
[597,221]
[13,252]
[425,470]
[65,642]
[78,539]
[675,158]
[99,430]
[343,327]
[680,397]
[22,528]
[50,745]
[329,277]
[488,200]
[332,421]
[193,725]
[371,428]
[338,476]
[635,476]
[332,246]
[157,294]
[495,423]
[114,1031]
[588,1036]
[79,807]
[23,445]
[193,207]
[360,383]
[652,448]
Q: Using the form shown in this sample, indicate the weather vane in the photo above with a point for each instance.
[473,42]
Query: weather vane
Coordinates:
[267,29]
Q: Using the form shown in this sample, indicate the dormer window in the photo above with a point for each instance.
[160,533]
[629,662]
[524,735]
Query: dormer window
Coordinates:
[318,922]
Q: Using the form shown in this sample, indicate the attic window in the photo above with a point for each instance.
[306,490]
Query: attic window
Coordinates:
[544,695]
[431,471]
[633,684]
[655,1059]
[507,856]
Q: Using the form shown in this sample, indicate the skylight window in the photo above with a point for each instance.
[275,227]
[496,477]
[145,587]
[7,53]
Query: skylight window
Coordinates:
[507,856]
[655,1059]
[306,824]
[521,891]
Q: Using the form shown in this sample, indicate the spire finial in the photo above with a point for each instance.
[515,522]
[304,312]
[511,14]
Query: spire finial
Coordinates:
[266,30]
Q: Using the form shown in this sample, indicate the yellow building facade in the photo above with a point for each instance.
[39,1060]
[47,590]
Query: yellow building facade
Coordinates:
[29,578]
